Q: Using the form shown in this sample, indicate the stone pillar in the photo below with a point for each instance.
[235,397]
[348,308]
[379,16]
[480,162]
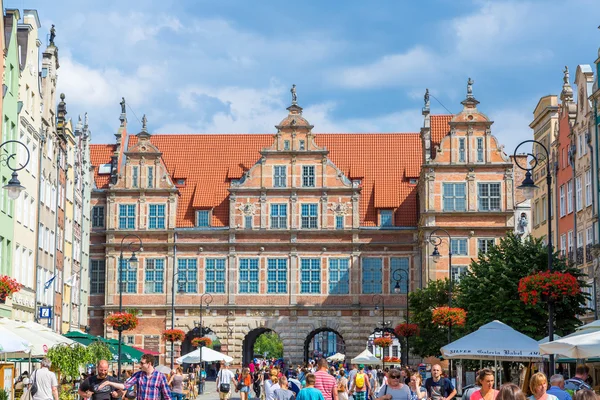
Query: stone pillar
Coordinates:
[294,275]
[471,191]
[324,200]
[231,273]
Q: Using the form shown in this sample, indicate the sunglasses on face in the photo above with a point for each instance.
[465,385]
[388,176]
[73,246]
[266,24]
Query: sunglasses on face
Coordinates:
[394,376]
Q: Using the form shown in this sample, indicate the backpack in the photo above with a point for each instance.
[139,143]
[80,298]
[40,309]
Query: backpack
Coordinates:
[359,381]
[341,386]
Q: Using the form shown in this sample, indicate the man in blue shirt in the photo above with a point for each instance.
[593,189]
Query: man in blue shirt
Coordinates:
[557,387]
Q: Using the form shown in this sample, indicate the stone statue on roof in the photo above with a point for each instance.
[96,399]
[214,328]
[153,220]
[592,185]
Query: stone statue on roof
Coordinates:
[122,103]
[85,119]
[52,34]
[470,83]
[426,98]
[144,123]
[566,75]
[294,96]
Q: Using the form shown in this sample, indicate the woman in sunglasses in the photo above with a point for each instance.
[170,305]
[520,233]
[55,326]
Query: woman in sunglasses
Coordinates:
[394,388]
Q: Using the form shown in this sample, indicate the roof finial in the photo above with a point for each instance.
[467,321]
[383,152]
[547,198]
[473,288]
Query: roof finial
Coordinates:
[426,98]
[144,123]
[567,91]
[79,124]
[52,35]
[566,75]
[85,120]
[470,83]
[294,96]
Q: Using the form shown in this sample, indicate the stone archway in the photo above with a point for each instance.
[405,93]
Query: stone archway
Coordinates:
[339,346]
[395,350]
[186,344]
[250,340]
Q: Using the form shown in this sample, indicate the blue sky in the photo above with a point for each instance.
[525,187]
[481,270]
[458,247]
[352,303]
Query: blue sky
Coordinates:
[227,66]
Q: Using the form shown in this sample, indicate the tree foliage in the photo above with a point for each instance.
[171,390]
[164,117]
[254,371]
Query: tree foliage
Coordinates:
[68,359]
[269,343]
[99,351]
[422,302]
[488,291]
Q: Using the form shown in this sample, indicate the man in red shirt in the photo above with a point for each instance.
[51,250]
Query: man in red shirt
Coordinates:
[325,382]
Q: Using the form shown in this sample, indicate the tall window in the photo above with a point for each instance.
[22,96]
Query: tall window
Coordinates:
[570,196]
[215,275]
[126,216]
[286,145]
[301,145]
[588,187]
[97,276]
[155,275]
[308,175]
[156,219]
[489,196]
[461,149]
[150,177]
[135,177]
[484,245]
[187,275]
[385,218]
[578,194]
[248,221]
[563,244]
[310,275]
[562,201]
[128,277]
[202,218]
[277,275]
[570,241]
[454,196]
[339,222]
[399,263]
[457,272]
[309,216]
[459,247]
[339,277]
[479,149]
[278,216]
[371,275]
[248,275]
[279,176]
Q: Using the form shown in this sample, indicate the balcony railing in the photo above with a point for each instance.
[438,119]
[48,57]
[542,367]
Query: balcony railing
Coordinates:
[579,255]
[588,252]
[571,257]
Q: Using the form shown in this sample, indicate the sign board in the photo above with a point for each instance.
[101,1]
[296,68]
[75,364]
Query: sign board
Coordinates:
[45,312]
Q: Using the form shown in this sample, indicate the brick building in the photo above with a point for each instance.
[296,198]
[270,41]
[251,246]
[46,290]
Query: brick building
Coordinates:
[292,232]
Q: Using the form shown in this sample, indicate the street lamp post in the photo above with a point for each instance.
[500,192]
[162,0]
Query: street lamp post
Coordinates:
[435,240]
[379,300]
[13,187]
[208,300]
[132,263]
[528,187]
[397,276]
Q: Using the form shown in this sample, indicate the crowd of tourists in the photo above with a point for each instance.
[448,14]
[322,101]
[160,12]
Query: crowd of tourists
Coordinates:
[273,380]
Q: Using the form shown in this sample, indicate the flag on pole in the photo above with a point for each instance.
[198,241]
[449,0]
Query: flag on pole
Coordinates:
[49,283]
[71,281]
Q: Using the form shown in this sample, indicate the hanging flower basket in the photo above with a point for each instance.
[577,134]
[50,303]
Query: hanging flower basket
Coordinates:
[173,335]
[449,316]
[8,286]
[383,342]
[387,359]
[394,359]
[122,321]
[547,286]
[407,330]
[201,341]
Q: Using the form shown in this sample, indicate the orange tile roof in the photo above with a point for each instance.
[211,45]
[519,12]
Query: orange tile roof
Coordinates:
[210,161]
[439,129]
[101,154]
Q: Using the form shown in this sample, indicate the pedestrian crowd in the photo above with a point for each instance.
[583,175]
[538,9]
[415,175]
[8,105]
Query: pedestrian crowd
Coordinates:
[272,380]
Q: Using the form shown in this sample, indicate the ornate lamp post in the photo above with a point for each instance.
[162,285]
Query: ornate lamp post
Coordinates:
[397,276]
[13,187]
[378,300]
[528,187]
[208,300]
[435,240]
[132,263]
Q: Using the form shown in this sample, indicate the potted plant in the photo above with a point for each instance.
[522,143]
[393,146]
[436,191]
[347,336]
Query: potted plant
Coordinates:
[173,335]
[407,330]
[8,286]
[547,286]
[449,316]
[122,321]
[383,342]
[201,342]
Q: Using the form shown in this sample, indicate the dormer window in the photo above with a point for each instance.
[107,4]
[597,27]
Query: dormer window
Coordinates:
[203,218]
[301,145]
[413,181]
[180,182]
[386,218]
[286,145]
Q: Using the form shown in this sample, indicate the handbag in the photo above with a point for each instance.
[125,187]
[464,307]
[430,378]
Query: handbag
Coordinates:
[224,387]
[34,387]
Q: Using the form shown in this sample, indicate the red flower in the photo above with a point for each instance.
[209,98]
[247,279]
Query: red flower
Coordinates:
[448,316]
[553,285]
[383,342]
[407,330]
[8,286]
[173,335]
[201,341]
[123,320]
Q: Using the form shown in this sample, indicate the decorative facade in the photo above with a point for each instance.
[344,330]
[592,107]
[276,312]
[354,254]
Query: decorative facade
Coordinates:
[292,232]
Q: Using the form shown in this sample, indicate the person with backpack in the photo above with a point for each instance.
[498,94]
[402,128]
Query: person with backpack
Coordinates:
[244,383]
[438,387]
[360,386]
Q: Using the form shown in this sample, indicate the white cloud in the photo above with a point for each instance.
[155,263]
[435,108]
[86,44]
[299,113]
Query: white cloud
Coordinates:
[511,126]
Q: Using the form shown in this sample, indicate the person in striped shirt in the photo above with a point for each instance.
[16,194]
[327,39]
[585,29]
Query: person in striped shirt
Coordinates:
[325,382]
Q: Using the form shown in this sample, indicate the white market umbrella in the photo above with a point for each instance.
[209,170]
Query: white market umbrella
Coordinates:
[585,345]
[163,369]
[367,358]
[208,355]
[337,357]
[41,338]
[493,341]
[12,343]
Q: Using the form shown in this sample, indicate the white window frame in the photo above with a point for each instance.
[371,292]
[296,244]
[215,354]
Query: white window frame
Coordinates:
[578,193]
[570,196]
[279,180]
[562,201]
[588,188]
[563,244]
[309,173]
